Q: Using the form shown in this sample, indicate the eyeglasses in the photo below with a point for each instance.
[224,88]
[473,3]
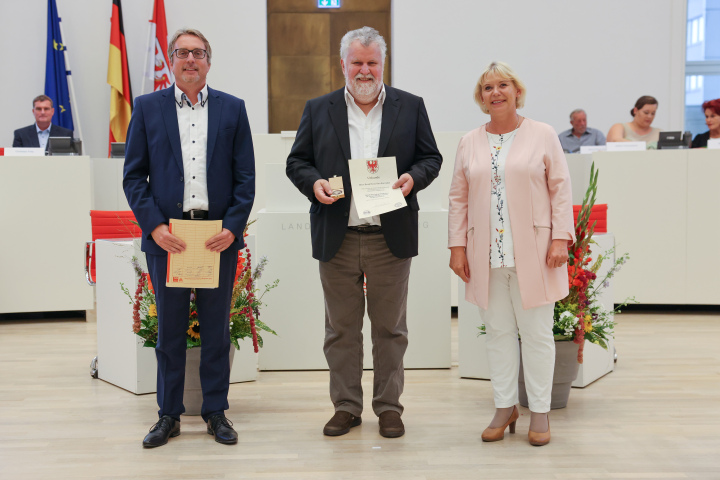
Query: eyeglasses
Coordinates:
[197,53]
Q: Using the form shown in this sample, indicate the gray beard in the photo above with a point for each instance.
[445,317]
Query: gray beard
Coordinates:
[365,92]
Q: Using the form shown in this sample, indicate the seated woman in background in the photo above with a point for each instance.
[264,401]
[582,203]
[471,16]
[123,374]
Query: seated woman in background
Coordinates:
[712,120]
[639,130]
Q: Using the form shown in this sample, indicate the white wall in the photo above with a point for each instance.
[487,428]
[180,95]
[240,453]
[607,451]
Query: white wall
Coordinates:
[237,30]
[599,55]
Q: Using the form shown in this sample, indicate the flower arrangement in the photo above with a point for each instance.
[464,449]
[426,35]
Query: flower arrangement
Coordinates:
[580,316]
[244,311]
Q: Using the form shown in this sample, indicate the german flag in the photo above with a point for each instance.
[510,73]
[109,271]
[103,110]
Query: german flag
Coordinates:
[118,78]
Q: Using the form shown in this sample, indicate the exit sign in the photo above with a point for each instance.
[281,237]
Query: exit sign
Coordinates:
[328,3]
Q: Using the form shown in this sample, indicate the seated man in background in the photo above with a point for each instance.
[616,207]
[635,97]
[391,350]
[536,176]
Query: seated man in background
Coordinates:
[37,134]
[572,139]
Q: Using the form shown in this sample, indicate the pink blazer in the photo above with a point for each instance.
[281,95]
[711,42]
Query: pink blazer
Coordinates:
[539,203]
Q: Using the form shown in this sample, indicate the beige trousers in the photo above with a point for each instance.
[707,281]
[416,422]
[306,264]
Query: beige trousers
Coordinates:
[365,255]
[504,319]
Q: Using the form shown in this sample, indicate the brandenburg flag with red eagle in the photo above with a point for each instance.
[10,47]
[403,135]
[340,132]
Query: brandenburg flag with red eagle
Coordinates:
[118,78]
[157,66]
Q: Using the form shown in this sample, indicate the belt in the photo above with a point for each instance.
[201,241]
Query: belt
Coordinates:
[195,215]
[366,228]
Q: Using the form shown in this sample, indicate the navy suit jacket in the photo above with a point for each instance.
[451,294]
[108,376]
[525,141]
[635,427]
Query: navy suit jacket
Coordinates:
[322,150]
[27,136]
[153,176]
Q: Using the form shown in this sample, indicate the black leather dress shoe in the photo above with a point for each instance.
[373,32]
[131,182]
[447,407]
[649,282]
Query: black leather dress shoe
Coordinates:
[341,423]
[221,427]
[159,434]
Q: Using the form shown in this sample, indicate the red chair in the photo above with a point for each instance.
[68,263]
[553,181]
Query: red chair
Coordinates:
[108,224]
[598,214]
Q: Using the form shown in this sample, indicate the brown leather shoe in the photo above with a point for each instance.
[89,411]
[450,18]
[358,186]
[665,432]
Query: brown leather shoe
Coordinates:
[539,439]
[495,434]
[341,423]
[391,426]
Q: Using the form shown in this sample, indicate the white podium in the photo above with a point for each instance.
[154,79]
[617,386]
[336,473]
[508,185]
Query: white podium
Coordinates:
[45,218]
[472,352]
[122,359]
[296,309]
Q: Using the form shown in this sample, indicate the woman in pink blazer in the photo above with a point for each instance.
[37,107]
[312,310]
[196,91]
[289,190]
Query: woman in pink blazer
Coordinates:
[510,225]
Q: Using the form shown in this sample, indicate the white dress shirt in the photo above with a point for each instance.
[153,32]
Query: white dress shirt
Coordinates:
[364,143]
[193,126]
[43,135]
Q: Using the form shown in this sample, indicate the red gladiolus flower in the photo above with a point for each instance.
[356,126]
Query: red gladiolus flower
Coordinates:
[254,334]
[149,282]
[136,304]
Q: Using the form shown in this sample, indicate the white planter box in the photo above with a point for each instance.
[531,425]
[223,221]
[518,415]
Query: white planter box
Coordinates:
[122,360]
[296,309]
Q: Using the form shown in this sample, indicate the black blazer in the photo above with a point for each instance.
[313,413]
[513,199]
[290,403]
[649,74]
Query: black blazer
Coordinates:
[27,136]
[701,140]
[322,149]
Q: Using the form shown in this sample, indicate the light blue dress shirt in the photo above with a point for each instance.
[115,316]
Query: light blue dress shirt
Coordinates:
[43,135]
[571,144]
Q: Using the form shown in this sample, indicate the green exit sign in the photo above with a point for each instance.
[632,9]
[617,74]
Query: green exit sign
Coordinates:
[328,3]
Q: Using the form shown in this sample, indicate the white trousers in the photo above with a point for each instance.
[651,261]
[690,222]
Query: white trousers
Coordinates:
[504,319]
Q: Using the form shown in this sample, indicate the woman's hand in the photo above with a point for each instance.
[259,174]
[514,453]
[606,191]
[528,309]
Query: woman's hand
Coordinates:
[557,255]
[616,133]
[459,263]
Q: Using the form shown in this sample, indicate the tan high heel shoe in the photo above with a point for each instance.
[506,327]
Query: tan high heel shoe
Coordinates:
[495,434]
[539,439]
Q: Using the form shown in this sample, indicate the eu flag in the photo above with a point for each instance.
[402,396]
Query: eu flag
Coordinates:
[56,76]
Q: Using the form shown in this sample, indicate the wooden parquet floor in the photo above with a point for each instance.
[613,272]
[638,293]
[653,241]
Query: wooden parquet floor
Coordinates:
[655,417]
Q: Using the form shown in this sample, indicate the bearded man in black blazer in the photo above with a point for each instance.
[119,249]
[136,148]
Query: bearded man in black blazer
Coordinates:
[364,119]
[37,134]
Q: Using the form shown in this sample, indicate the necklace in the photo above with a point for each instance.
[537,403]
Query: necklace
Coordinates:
[516,126]
[504,137]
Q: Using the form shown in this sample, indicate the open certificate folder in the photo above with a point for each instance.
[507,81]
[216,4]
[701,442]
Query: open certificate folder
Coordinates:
[196,267]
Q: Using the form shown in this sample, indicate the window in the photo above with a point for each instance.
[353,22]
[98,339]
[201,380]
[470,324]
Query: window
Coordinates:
[702,65]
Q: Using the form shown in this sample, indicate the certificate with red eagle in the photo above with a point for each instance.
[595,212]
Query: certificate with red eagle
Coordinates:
[372,180]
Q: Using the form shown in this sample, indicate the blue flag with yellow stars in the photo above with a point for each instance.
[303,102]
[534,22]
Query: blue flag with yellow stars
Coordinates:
[56,75]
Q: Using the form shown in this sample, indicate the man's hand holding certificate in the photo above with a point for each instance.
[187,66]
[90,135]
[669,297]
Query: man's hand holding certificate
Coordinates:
[372,181]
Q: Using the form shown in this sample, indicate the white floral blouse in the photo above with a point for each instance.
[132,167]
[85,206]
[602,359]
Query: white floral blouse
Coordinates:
[502,253]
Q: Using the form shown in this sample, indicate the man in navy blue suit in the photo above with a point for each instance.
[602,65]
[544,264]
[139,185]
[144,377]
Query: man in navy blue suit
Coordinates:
[189,155]
[37,134]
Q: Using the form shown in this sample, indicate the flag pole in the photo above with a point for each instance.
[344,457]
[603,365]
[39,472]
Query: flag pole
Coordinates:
[151,46]
[68,72]
[150,53]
